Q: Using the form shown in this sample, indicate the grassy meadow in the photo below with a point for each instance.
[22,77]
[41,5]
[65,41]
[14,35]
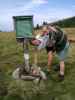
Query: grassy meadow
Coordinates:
[11,56]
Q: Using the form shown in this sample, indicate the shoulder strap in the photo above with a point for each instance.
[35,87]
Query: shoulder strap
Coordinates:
[52,37]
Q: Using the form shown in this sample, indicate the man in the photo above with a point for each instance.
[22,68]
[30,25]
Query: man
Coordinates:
[56,42]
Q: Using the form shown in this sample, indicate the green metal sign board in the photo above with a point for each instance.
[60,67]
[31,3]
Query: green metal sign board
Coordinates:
[23,26]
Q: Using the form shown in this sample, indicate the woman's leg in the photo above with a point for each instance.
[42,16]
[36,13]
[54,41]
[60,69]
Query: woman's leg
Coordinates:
[50,58]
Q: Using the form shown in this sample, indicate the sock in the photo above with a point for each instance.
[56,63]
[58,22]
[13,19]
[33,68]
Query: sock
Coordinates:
[61,73]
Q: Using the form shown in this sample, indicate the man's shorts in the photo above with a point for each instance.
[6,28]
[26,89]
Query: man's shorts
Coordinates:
[62,55]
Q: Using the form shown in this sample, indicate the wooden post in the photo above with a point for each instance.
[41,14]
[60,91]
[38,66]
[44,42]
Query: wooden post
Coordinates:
[26,55]
[35,56]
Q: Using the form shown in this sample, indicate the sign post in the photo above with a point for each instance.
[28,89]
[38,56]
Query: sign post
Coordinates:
[23,26]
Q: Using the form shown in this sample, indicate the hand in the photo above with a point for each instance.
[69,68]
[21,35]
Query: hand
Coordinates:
[35,42]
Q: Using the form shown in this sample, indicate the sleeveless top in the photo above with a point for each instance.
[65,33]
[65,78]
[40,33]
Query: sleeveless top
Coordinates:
[59,39]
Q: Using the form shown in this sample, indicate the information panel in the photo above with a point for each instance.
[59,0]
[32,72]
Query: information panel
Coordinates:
[23,26]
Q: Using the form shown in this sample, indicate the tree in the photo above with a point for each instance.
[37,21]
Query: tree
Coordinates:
[37,26]
[44,23]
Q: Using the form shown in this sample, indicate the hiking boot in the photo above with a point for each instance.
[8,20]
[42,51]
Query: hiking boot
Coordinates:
[56,67]
[61,77]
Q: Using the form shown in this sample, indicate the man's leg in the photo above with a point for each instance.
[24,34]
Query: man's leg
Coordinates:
[50,58]
[62,68]
[62,57]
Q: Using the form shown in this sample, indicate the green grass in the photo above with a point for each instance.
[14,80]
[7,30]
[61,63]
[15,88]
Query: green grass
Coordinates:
[11,56]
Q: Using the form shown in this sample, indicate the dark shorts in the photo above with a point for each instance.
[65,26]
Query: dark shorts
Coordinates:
[48,49]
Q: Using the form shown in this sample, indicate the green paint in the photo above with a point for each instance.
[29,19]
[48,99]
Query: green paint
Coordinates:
[23,26]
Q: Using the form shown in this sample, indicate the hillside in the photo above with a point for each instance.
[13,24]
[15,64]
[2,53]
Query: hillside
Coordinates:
[64,23]
[68,22]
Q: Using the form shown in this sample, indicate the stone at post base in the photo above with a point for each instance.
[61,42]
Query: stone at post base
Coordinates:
[29,76]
